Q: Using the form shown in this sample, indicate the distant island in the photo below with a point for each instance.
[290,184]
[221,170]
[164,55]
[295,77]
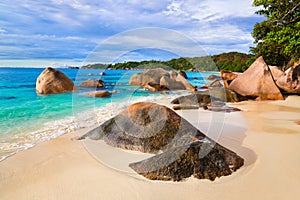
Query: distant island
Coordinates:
[233,61]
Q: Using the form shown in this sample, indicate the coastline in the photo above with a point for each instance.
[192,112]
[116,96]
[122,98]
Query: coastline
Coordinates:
[29,119]
[62,168]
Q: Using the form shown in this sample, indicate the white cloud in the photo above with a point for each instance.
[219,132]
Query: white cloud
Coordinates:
[73,27]
[210,10]
[2,30]
[147,38]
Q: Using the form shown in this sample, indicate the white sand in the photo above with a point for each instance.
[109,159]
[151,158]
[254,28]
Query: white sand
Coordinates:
[265,135]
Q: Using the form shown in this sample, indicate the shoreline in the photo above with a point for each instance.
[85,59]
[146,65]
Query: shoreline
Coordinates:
[62,168]
[56,128]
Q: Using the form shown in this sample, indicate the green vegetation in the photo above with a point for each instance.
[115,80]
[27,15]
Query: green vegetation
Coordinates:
[278,37]
[233,61]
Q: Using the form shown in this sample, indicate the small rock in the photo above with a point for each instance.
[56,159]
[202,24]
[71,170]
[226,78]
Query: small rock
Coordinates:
[186,107]
[99,94]
[164,92]
[92,83]
[213,77]
[214,83]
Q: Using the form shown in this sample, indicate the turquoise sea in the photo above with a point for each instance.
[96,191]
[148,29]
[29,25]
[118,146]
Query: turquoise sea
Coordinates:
[27,118]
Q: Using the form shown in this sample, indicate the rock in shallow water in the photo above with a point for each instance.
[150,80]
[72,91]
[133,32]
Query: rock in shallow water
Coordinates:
[92,83]
[162,79]
[182,150]
[52,81]
[99,94]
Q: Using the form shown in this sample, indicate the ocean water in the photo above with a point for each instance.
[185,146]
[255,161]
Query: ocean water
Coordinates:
[27,118]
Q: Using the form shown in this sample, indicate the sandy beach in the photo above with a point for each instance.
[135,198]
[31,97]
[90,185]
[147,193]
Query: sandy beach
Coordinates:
[265,134]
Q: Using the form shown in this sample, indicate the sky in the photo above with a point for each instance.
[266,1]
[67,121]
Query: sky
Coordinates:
[71,32]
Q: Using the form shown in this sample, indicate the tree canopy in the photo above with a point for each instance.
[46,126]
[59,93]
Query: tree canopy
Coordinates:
[277,38]
[233,61]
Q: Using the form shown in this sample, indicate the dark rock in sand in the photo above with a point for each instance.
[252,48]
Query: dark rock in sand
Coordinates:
[290,80]
[92,83]
[217,94]
[52,81]
[182,150]
[226,109]
[201,159]
[199,98]
[185,107]
[257,82]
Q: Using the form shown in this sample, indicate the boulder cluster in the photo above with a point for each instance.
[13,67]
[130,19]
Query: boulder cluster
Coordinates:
[159,79]
[263,82]
[181,149]
[52,81]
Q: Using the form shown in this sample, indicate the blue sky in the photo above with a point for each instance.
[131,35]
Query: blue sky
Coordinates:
[54,32]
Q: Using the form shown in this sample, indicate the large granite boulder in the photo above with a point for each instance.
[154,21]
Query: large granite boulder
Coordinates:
[185,82]
[290,80]
[92,83]
[173,75]
[182,150]
[276,72]
[257,82]
[171,80]
[52,81]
